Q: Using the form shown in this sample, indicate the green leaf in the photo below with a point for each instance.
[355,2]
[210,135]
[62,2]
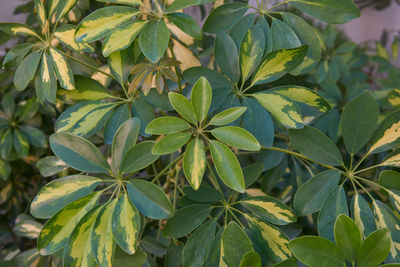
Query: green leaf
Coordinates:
[122,259]
[35,136]
[235,244]
[331,11]
[316,145]
[204,194]
[374,249]
[61,7]
[283,109]
[6,143]
[21,143]
[227,166]
[270,240]
[120,63]
[103,242]
[66,35]
[102,21]
[126,224]
[358,121]
[124,2]
[316,251]
[46,81]
[252,173]
[78,153]
[201,98]
[310,197]
[387,135]
[348,237]
[57,230]
[390,179]
[186,23]
[181,4]
[334,205]
[78,250]
[198,245]
[393,159]
[283,36]
[84,119]
[303,95]
[60,192]
[16,54]
[183,106]
[64,72]
[194,163]
[227,116]
[278,63]
[171,143]
[236,137]
[85,89]
[394,196]
[122,36]
[26,70]
[50,165]
[166,125]
[15,29]
[138,157]
[224,16]
[251,259]
[145,113]
[270,209]
[186,220]
[251,51]
[118,117]
[154,39]
[5,169]
[124,139]
[362,215]
[227,56]
[149,199]
[216,79]
[240,28]
[8,104]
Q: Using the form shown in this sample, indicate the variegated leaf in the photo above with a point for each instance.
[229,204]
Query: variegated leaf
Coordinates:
[362,215]
[102,21]
[58,193]
[278,63]
[51,165]
[58,229]
[387,135]
[234,245]
[41,11]
[270,209]
[66,35]
[394,196]
[61,7]
[126,2]
[122,36]
[84,119]
[64,72]
[194,163]
[46,81]
[126,224]
[78,250]
[251,51]
[18,28]
[393,159]
[283,109]
[272,240]
[103,242]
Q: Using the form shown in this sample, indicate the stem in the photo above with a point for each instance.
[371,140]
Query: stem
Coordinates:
[372,182]
[176,186]
[368,168]
[236,218]
[365,190]
[167,168]
[360,161]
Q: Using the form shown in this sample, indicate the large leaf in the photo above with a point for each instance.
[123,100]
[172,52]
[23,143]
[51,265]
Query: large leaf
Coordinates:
[64,72]
[26,70]
[278,63]
[201,98]
[374,249]
[138,157]
[387,135]
[227,56]
[194,163]
[331,11]
[181,4]
[149,199]
[310,197]
[224,16]
[347,237]
[167,125]
[126,224]
[57,230]
[235,244]
[58,193]
[269,209]
[358,121]
[186,220]
[100,22]
[154,39]
[227,166]
[78,153]
[251,51]
[316,251]
[316,145]
[66,35]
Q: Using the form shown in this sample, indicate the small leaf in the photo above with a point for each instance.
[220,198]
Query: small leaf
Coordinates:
[348,237]
[167,125]
[374,249]
[154,39]
[183,106]
[227,166]
[186,220]
[201,98]
[78,153]
[227,116]
[149,199]
[194,163]
[171,143]
[60,192]
[236,137]
[138,157]
[51,165]
[26,70]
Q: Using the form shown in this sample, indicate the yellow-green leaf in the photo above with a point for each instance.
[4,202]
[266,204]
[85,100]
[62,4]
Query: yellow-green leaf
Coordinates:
[122,36]
[171,143]
[126,2]
[236,137]
[46,82]
[393,159]
[251,51]
[18,28]
[59,193]
[57,230]
[183,106]
[283,109]
[387,135]
[41,11]
[394,196]
[63,70]
[201,98]
[166,125]
[102,21]
[103,242]
[126,224]
[61,7]
[227,116]
[194,163]
[66,35]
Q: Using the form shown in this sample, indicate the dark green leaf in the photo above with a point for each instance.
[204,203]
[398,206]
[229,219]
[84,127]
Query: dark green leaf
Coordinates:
[227,56]
[374,249]
[224,16]
[153,40]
